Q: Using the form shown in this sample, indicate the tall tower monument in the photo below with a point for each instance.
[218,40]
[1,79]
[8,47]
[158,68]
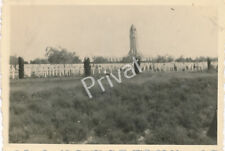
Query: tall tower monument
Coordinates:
[133,40]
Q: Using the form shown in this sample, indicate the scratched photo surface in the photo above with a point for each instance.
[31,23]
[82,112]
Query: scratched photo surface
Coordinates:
[99,74]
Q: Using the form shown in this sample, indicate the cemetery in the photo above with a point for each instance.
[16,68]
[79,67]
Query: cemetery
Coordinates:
[63,69]
[67,70]
[158,102]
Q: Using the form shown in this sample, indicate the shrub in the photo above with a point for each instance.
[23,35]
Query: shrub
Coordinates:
[87,67]
[21,67]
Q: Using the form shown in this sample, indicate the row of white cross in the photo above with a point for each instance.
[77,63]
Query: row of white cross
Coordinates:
[53,70]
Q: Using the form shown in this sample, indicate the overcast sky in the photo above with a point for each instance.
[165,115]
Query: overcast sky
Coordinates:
[104,30]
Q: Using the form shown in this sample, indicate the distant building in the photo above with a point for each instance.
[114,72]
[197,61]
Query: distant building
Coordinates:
[133,41]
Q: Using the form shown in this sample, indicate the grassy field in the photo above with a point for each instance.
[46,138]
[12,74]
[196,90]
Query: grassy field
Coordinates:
[151,108]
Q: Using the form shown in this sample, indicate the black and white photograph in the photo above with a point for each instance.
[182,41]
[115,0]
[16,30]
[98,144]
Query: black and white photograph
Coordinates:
[113,74]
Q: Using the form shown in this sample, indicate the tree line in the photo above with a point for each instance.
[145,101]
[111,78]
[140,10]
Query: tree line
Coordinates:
[63,56]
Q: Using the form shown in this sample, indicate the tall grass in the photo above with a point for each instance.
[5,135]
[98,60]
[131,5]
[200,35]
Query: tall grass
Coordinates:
[152,108]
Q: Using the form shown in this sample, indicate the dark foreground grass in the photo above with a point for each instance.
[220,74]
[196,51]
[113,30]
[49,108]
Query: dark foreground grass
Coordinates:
[151,108]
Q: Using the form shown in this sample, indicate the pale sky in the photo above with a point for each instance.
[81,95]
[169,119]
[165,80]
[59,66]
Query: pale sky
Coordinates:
[104,30]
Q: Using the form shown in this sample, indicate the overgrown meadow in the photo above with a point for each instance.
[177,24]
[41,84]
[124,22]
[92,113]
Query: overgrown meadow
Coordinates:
[151,108]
